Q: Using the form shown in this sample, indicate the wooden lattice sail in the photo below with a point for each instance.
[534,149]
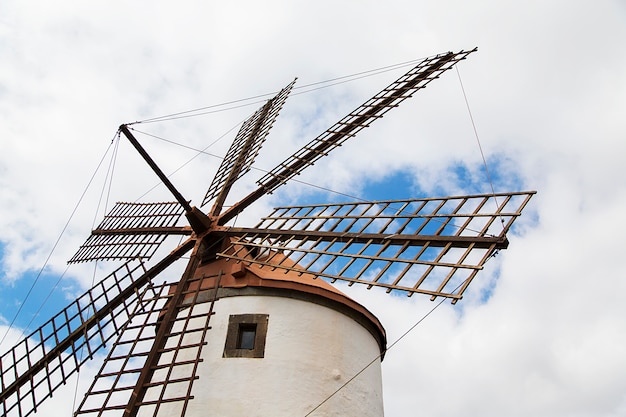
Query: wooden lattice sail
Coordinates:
[392,244]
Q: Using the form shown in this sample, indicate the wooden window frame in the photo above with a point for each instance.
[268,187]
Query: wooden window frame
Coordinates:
[239,322]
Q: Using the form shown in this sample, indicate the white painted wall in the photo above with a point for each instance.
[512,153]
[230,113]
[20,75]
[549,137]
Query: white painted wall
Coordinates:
[310,352]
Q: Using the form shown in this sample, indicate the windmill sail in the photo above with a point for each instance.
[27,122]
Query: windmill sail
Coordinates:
[183,339]
[392,244]
[245,148]
[37,366]
[131,230]
[33,369]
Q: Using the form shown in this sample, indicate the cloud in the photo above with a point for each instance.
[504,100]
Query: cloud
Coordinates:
[546,90]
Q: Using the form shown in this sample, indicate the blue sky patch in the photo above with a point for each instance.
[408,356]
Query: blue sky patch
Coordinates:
[42,303]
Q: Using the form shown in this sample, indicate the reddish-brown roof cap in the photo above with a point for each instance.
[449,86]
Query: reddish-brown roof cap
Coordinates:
[235,275]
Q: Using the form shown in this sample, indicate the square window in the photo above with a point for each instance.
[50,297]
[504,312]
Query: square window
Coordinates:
[245,337]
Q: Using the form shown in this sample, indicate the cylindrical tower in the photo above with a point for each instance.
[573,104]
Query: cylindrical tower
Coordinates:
[281,344]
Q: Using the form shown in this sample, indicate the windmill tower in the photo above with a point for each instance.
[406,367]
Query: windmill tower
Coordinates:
[254,326]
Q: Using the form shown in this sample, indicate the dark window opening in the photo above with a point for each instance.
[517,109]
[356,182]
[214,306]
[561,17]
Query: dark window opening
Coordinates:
[245,337]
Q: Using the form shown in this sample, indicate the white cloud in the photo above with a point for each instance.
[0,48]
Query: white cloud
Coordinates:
[547,91]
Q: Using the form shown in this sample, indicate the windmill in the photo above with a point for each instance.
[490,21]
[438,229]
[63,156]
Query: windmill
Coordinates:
[161,336]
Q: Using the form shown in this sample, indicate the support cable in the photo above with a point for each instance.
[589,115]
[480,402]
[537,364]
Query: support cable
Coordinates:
[215,108]
[199,152]
[482,154]
[263,171]
[402,336]
[58,281]
[107,180]
[30,290]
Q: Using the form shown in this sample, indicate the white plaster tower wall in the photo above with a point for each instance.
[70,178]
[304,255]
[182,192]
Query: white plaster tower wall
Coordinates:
[311,350]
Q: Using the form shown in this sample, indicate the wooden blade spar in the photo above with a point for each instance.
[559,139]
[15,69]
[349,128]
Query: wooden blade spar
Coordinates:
[363,116]
[199,222]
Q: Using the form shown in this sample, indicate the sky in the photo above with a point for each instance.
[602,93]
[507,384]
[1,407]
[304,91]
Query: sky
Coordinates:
[541,332]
